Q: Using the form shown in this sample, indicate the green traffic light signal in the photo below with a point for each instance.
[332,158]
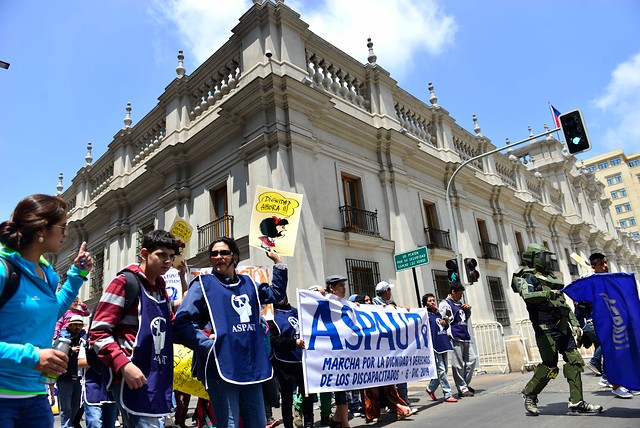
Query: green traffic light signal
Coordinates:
[575,132]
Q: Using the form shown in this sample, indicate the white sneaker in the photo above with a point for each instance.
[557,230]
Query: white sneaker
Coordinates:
[622,392]
[604,383]
[634,391]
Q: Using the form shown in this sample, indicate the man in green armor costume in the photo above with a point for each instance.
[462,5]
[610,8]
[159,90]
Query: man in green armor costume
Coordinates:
[554,324]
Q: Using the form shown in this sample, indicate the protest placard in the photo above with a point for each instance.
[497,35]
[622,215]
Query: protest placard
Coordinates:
[274,220]
[351,346]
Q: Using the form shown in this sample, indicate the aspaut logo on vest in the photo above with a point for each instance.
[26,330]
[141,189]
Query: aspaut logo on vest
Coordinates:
[242,306]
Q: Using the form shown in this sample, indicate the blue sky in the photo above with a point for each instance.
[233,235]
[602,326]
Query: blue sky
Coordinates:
[75,64]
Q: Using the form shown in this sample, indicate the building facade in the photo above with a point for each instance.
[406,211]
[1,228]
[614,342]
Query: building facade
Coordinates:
[620,175]
[371,160]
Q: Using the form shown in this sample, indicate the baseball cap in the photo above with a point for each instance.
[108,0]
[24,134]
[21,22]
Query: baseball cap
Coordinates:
[332,279]
[76,319]
[383,286]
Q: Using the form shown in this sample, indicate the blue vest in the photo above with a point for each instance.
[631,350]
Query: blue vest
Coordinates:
[439,336]
[459,329]
[239,352]
[96,385]
[288,326]
[153,355]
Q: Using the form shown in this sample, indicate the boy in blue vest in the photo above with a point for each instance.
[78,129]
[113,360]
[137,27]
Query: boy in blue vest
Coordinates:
[441,347]
[232,362]
[137,346]
[464,358]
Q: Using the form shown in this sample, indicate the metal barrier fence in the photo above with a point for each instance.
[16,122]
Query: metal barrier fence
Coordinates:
[530,348]
[492,350]
[530,351]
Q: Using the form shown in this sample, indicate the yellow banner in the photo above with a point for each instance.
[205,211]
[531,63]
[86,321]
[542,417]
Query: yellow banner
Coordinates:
[182,379]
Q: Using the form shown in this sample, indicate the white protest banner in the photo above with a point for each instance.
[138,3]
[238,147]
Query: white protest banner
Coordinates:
[353,347]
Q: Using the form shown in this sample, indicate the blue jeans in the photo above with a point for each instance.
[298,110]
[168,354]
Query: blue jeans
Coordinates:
[69,400]
[101,416]
[130,420]
[441,361]
[34,412]
[230,401]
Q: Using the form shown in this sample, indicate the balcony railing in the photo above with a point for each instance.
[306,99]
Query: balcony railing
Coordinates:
[573,269]
[222,226]
[437,238]
[359,221]
[490,251]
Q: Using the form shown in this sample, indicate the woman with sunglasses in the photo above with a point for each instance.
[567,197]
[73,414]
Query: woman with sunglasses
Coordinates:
[28,318]
[232,362]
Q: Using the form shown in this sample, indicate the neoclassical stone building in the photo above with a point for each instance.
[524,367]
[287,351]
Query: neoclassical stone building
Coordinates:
[278,106]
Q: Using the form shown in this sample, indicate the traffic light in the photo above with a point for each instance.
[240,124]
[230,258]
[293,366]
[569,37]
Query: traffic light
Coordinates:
[452,271]
[575,133]
[470,266]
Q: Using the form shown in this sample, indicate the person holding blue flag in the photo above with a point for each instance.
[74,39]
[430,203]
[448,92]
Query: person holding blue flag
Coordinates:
[553,323]
[615,305]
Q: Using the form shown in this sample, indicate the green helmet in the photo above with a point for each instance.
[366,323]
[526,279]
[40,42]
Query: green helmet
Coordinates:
[538,256]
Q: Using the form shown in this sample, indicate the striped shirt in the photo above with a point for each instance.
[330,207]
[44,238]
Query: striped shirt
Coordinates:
[113,333]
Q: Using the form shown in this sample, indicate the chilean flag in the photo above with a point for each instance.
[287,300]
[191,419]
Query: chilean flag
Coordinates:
[556,116]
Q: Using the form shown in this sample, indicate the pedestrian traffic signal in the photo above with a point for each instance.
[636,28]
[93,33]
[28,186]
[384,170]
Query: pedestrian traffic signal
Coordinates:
[452,271]
[470,266]
[575,133]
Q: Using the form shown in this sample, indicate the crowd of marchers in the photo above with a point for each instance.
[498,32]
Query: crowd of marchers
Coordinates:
[121,363]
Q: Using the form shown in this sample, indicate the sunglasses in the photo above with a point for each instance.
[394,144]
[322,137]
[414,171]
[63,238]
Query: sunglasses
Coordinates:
[215,253]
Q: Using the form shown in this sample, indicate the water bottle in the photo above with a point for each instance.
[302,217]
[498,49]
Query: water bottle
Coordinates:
[61,344]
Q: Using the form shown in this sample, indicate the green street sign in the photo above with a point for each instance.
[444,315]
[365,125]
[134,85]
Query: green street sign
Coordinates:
[411,259]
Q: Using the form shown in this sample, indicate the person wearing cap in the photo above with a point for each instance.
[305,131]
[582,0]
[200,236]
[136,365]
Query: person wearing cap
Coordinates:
[463,357]
[69,387]
[383,293]
[383,297]
[336,285]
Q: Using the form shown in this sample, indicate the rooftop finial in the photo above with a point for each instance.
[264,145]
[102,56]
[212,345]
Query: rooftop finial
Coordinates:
[372,58]
[127,119]
[180,70]
[88,157]
[59,187]
[476,127]
[432,98]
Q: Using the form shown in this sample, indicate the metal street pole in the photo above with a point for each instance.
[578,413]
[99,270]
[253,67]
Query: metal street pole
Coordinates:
[452,220]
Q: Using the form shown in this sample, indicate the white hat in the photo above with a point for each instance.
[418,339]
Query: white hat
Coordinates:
[383,286]
[76,319]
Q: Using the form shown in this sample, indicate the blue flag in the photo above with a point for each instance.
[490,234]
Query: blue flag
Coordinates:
[616,318]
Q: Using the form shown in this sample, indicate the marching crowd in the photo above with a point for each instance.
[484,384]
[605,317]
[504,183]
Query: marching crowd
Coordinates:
[123,363]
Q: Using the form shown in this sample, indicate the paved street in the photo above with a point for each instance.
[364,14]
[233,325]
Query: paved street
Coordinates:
[498,403]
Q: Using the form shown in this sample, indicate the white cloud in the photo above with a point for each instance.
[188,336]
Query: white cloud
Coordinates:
[621,100]
[400,29]
[203,25]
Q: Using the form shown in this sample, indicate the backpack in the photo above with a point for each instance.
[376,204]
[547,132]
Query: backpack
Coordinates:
[131,294]
[12,281]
